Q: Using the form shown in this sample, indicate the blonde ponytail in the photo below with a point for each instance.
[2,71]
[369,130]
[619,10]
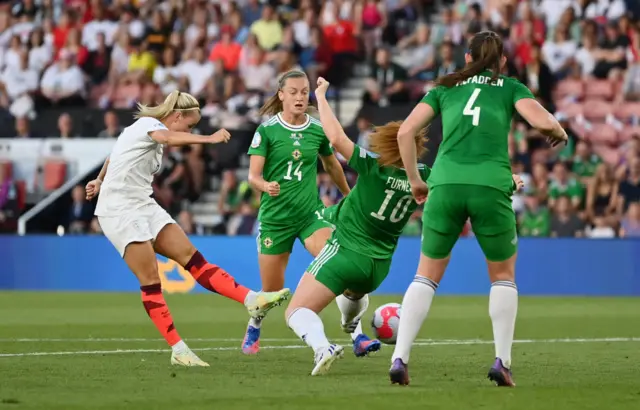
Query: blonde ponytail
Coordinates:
[176,101]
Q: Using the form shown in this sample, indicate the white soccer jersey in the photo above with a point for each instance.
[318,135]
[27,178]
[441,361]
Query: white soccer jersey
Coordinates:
[133,161]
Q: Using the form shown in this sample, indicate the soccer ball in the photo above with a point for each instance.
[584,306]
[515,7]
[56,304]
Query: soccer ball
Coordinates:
[385,323]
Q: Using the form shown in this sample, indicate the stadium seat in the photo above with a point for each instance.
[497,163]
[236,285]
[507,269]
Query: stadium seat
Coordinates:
[603,134]
[628,110]
[569,88]
[599,89]
[596,110]
[572,110]
[608,154]
[55,174]
[629,132]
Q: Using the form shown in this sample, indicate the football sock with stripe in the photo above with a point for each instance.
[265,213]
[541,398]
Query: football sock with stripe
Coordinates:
[309,327]
[503,309]
[158,312]
[215,279]
[351,309]
[415,308]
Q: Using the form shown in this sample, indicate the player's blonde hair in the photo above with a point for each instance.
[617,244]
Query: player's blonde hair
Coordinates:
[274,105]
[384,142]
[176,101]
[486,50]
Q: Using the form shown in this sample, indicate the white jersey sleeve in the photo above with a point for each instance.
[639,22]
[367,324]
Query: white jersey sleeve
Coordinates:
[135,158]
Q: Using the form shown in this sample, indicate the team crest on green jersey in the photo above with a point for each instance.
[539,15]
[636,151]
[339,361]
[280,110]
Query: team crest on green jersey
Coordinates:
[296,154]
[296,137]
[267,242]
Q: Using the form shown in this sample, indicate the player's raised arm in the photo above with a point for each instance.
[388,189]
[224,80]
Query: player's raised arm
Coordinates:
[177,138]
[330,124]
[539,118]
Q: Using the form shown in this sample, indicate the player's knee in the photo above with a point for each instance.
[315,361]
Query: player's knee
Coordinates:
[148,276]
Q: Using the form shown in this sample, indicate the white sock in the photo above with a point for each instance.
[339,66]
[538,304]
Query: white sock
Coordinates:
[308,326]
[351,309]
[503,309]
[358,331]
[179,347]
[415,307]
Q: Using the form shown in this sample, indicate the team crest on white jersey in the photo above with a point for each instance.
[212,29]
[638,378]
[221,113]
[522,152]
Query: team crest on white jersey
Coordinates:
[296,137]
[256,141]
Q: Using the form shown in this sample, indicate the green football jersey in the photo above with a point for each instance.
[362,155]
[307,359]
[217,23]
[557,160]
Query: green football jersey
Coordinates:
[372,217]
[291,159]
[572,189]
[536,223]
[586,168]
[476,119]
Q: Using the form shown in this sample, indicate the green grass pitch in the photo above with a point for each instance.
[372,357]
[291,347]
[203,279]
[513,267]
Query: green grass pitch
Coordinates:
[100,351]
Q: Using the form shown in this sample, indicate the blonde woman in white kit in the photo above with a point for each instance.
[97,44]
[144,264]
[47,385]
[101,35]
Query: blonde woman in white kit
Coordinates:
[139,228]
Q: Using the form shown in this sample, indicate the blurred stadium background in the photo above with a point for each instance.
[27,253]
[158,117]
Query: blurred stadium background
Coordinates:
[72,71]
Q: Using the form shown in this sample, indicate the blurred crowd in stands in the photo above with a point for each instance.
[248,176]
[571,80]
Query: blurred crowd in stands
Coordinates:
[581,58]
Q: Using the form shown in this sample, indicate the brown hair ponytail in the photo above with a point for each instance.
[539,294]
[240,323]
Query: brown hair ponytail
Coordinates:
[486,54]
[384,142]
[274,105]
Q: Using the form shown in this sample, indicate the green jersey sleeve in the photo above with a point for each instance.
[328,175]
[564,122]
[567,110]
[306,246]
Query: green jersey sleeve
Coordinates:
[325,148]
[259,143]
[432,98]
[520,91]
[363,161]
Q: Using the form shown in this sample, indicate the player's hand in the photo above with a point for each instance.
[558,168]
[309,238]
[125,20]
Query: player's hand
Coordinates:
[558,138]
[518,181]
[419,190]
[219,136]
[92,189]
[323,85]
[273,188]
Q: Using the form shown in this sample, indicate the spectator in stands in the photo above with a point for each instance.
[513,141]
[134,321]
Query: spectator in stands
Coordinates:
[585,161]
[63,83]
[112,126]
[61,30]
[229,199]
[340,34]
[611,56]
[130,23]
[188,225]
[528,26]
[302,28]
[502,18]
[197,72]
[540,181]
[99,61]
[9,211]
[419,53]
[167,74]
[267,29]
[449,29]
[600,229]
[327,190]
[240,30]
[40,53]
[371,19]
[386,82]
[535,220]
[586,55]
[563,184]
[65,126]
[18,83]
[12,54]
[81,212]
[170,183]
[157,33]
[317,59]
[75,47]
[537,76]
[23,128]
[141,62]
[629,189]
[226,50]
[602,194]
[631,86]
[565,223]
[244,221]
[630,225]
[99,26]
[560,52]
[94,227]
[445,62]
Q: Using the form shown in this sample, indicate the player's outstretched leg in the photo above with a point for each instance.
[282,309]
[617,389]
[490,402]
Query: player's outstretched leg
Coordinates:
[353,307]
[172,243]
[302,317]
[415,308]
[141,259]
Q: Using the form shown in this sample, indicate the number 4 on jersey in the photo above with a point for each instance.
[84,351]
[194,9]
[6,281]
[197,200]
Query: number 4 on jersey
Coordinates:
[469,109]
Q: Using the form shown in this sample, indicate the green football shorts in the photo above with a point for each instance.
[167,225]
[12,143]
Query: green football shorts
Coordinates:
[341,269]
[276,240]
[492,219]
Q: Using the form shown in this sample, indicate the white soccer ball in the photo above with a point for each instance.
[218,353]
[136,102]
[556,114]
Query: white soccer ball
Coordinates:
[385,322]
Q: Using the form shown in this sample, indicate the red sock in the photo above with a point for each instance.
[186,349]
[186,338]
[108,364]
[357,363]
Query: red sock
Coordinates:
[158,311]
[215,279]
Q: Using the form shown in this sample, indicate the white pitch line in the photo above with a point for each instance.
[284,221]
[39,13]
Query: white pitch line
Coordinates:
[452,342]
